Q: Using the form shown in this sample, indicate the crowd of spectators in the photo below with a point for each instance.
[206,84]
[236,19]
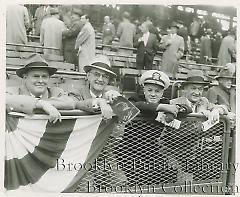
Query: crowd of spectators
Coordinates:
[72,33]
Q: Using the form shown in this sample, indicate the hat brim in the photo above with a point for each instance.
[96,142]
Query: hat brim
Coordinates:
[21,71]
[195,82]
[218,77]
[154,82]
[87,68]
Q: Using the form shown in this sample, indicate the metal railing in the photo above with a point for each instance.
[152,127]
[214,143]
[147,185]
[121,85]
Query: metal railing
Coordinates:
[161,159]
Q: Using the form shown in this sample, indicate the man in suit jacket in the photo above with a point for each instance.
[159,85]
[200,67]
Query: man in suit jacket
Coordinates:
[174,48]
[224,94]
[193,90]
[34,92]
[69,38]
[17,23]
[85,44]
[206,48]
[96,94]
[146,48]
[51,33]
[227,51]
[126,32]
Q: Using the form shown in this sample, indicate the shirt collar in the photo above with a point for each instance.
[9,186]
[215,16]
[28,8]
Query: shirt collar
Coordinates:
[94,96]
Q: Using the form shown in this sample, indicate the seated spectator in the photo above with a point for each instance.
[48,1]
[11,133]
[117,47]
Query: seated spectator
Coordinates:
[96,94]
[193,90]
[154,83]
[224,94]
[34,92]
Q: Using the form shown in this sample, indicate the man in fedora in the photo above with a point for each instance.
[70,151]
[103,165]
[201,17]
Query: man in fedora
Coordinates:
[96,93]
[193,89]
[173,45]
[69,38]
[34,92]
[224,94]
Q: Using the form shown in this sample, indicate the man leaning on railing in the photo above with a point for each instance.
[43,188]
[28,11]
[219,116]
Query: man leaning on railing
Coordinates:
[34,93]
[193,89]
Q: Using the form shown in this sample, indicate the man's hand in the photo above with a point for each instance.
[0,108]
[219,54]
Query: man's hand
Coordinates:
[232,118]
[213,116]
[53,113]
[111,95]
[106,109]
[173,109]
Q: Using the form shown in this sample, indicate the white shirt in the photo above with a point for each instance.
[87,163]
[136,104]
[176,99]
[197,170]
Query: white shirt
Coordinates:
[145,38]
[94,96]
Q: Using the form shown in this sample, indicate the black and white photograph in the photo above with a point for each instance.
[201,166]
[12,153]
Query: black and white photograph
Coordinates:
[120,98]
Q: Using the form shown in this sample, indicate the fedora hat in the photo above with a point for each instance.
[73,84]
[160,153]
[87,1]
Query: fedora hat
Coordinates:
[155,77]
[225,73]
[35,61]
[54,11]
[195,77]
[77,11]
[100,62]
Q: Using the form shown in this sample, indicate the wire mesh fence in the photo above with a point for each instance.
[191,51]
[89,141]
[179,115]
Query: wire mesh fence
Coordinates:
[152,155]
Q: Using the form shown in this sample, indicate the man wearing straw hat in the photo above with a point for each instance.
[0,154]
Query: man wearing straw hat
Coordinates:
[96,93]
[34,92]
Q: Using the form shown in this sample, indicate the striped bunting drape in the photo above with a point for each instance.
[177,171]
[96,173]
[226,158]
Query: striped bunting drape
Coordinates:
[38,153]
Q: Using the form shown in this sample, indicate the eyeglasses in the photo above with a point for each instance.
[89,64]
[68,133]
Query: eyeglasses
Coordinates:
[98,75]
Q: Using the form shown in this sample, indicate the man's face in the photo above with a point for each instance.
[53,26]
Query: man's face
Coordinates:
[74,16]
[98,79]
[143,28]
[36,81]
[174,30]
[83,19]
[153,93]
[106,19]
[225,82]
[193,92]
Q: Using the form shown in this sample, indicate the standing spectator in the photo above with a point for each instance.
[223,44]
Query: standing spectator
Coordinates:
[194,28]
[227,52]
[146,48]
[182,31]
[152,28]
[69,38]
[216,43]
[51,33]
[195,50]
[17,24]
[126,32]
[206,48]
[174,48]
[108,31]
[85,44]
[41,12]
